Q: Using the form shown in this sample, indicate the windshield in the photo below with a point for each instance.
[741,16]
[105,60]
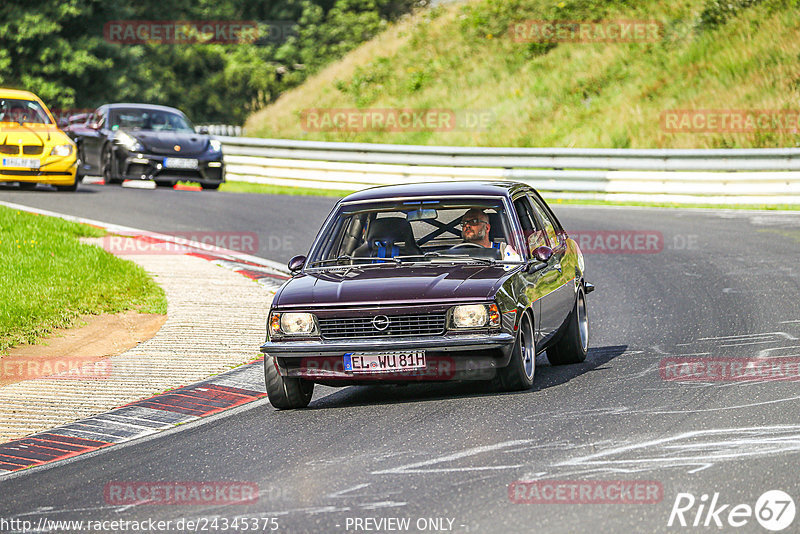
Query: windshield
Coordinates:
[416,231]
[23,111]
[148,119]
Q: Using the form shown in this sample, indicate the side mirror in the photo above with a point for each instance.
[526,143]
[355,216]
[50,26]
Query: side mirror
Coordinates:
[296,263]
[94,126]
[542,253]
[203,130]
[540,256]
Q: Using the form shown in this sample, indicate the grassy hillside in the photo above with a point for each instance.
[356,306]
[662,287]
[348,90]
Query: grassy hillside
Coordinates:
[711,54]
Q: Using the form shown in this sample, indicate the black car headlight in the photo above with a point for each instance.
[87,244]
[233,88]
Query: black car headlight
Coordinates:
[475,316]
[292,324]
[129,142]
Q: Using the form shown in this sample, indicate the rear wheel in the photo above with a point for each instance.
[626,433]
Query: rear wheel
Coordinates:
[286,393]
[210,186]
[573,345]
[518,374]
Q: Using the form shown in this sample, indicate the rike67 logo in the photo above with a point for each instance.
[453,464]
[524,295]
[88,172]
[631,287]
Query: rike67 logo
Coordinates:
[774,510]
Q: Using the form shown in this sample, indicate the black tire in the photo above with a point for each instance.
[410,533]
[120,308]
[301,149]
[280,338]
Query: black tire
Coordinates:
[79,174]
[518,374]
[286,393]
[27,186]
[573,345]
[73,187]
[109,164]
[210,186]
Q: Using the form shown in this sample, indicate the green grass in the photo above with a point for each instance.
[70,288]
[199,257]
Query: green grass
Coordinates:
[712,54]
[246,187]
[50,278]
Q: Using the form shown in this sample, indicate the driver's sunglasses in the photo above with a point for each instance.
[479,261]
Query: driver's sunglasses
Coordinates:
[473,222]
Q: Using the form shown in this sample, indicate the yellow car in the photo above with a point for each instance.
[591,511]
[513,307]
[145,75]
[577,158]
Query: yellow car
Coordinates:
[32,148]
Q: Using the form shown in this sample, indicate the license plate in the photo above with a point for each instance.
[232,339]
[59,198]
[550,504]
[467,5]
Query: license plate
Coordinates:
[27,163]
[180,163]
[355,362]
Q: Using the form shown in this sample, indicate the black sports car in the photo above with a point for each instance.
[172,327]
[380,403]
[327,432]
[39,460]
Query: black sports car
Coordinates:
[147,142]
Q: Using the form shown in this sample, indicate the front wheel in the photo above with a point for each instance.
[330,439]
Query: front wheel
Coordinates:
[518,374]
[109,166]
[286,393]
[573,345]
[73,187]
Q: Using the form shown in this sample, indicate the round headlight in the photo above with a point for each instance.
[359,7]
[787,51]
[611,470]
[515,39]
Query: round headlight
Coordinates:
[215,145]
[297,323]
[470,316]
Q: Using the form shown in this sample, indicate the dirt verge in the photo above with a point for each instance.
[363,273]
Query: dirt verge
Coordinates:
[74,352]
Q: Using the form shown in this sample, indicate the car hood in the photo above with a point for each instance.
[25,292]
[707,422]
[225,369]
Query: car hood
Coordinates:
[33,135]
[165,142]
[393,284]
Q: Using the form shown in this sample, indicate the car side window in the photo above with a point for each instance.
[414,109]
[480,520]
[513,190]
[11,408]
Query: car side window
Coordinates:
[531,231]
[550,229]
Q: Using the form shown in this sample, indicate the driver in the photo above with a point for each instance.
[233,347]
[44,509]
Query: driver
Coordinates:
[475,229]
[18,114]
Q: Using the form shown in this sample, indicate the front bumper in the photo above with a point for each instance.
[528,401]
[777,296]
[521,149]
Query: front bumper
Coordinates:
[449,357]
[146,166]
[54,170]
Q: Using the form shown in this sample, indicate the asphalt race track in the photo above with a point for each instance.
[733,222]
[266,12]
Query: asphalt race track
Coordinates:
[715,285]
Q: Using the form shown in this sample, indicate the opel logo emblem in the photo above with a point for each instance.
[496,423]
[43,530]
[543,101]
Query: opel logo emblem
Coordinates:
[177,148]
[380,322]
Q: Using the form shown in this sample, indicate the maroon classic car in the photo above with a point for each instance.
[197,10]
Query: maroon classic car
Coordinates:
[436,281]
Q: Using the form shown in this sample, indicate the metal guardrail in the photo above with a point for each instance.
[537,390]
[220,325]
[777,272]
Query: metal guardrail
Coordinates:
[220,129]
[714,176]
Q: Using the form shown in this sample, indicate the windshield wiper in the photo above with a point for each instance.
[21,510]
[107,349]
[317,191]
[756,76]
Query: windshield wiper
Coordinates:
[344,257]
[401,259]
[347,258]
[463,257]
